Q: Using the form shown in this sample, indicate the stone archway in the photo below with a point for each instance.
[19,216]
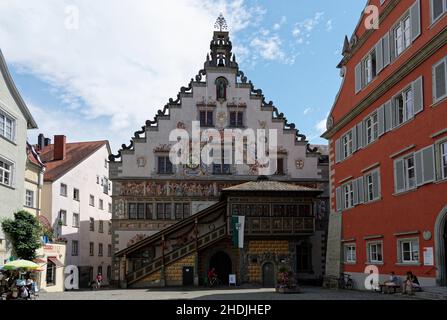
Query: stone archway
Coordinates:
[221,261]
[441,248]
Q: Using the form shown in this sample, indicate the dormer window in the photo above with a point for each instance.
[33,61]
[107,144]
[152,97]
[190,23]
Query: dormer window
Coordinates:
[221,88]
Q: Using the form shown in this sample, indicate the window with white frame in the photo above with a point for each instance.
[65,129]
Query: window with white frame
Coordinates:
[403,107]
[29,198]
[6,172]
[110,208]
[7,127]
[369,184]
[372,128]
[370,67]
[101,226]
[409,250]
[440,80]
[375,252]
[402,36]
[75,222]
[63,217]
[101,204]
[350,253]
[63,191]
[347,144]
[76,195]
[438,9]
[92,200]
[348,195]
[443,154]
[410,172]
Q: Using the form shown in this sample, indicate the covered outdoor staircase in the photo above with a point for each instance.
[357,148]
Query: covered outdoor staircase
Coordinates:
[202,239]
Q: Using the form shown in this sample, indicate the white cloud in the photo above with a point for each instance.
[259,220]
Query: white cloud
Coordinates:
[302,31]
[279,24]
[270,48]
[321,125]
[307,111]
[123,62]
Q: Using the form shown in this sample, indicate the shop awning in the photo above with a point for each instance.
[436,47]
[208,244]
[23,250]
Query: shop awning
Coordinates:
[38,260]
[56,261]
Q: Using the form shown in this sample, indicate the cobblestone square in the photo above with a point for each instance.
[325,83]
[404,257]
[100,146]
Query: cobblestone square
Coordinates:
[308,293]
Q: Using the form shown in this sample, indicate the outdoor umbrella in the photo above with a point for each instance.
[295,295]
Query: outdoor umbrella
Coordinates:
[20,264]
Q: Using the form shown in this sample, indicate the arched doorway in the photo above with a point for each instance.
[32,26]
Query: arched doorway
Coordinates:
[268,275]
[441,248]
[445,254]
[222,263]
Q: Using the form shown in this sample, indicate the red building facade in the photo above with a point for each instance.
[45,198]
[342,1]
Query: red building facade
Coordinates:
[387,133]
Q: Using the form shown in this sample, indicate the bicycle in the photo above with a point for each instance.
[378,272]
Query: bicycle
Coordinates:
[345,281]
[214,282]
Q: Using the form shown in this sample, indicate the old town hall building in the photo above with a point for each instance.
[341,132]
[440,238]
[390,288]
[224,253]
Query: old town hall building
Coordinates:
[172,223]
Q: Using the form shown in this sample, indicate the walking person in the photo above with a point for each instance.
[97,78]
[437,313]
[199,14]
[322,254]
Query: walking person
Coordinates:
[98,281]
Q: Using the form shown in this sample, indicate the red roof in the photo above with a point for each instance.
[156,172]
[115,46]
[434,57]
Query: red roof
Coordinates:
[75,154]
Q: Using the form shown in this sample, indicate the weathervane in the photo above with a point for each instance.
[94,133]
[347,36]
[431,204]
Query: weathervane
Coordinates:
[221,23]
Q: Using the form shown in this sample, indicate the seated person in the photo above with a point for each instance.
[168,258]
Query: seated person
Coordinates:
[393,282]
[411,284]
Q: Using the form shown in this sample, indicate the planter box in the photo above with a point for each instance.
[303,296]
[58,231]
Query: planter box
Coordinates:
[288,290]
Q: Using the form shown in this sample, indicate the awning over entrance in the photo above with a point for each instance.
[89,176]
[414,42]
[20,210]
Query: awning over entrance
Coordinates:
[56,261]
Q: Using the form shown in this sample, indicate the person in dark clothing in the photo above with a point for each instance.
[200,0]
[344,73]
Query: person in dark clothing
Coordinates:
[411,284]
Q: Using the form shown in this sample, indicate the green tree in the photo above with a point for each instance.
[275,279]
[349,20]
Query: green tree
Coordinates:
[24,232]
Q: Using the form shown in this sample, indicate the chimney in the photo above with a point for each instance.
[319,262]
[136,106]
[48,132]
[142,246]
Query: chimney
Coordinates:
[59,147]
[41,141]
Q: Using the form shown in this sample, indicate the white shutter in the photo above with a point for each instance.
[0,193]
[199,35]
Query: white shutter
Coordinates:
[399,176]
[392,45]
[361,190]
[338,199]
[379,57]
[376,184]
[381,120]
[415,17]
[419,168]
[388,116]
[428,162]
[358,78]
[386,50]
[418,95]
[360,129]
[355,189]
[393,113]
[439,80]
[337,151]
[354,139]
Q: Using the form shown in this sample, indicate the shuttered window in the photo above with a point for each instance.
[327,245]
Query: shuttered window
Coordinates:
[372,186]
[338,199]
[406,31]
[347,144]
[348,195]
[403,108]
[443,160]
[440,80]
[372,128]
[415,170]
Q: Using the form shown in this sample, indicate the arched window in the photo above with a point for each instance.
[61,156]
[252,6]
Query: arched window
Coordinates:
[221,88]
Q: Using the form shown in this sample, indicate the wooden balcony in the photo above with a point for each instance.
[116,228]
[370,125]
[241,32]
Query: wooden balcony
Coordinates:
[279,225]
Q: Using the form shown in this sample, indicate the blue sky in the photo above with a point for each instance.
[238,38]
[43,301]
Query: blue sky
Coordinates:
[98,69]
